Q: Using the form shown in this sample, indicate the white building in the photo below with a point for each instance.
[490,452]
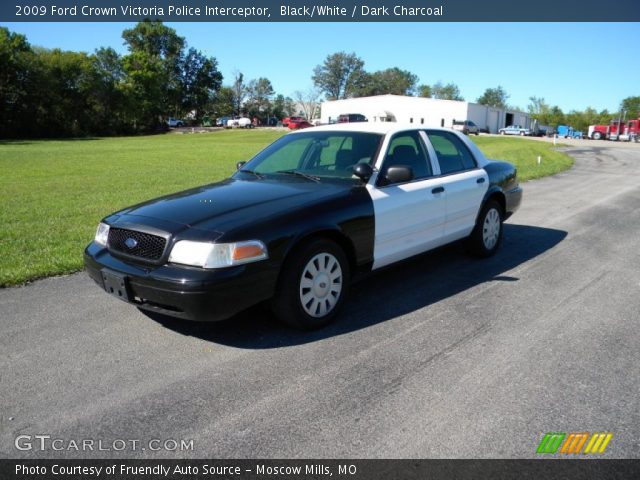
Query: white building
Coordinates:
[430,112]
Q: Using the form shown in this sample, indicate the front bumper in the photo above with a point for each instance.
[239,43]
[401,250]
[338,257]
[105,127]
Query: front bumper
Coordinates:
[183,292]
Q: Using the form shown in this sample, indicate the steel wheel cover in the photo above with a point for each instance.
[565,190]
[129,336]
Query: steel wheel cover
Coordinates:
[491,229]
[320,285]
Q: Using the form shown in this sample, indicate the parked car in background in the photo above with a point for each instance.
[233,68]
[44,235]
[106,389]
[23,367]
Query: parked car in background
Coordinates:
[351,117]
[294,225]
[538,130]
[298,124]
[465,126]
[287,120]
[174,122]
[515,130]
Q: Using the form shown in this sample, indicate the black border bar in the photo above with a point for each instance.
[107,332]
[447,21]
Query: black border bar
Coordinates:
[321,10]
[547,469]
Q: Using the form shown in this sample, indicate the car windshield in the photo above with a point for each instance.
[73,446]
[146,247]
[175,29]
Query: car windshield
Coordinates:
[320,154]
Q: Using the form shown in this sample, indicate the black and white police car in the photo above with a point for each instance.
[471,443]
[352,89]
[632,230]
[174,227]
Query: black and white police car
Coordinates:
[299,221]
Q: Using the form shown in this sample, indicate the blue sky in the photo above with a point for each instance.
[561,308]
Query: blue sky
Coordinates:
[572,65]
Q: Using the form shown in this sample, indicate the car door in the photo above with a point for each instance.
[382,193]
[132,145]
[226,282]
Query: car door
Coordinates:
[409,216]
[464,182]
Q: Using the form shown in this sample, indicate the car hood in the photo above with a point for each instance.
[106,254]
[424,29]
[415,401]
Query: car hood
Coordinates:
[224,205]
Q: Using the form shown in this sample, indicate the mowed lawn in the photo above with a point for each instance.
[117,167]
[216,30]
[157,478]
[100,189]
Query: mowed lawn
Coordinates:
[524,152]
[53,193]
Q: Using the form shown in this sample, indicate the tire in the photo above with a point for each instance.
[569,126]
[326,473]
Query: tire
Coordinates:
[313,285]
[597,136]
[522,134]
[477,133]
[486,236]
[502,132]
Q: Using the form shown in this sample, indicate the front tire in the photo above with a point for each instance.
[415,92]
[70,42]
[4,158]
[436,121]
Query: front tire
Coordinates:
[313,285]
[486,236]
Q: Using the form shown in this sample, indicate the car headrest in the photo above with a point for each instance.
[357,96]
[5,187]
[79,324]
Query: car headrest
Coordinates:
[344,159]
[404,154]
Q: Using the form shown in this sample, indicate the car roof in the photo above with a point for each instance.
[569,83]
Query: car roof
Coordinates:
[386,128]
[383,128]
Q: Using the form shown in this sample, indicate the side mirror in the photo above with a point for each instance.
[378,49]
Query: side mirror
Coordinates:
[239,165]
[363,171]
[399,174]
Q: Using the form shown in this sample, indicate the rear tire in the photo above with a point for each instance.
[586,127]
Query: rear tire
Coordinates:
[597,136]
[502,132]
[486,236]
[313,285]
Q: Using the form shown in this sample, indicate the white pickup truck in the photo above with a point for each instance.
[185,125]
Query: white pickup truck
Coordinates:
[242,122]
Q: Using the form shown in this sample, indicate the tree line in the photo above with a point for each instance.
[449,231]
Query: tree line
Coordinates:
[56,93]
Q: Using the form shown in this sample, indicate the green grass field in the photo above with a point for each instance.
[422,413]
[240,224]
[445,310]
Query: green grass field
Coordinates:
[523,152]
[54,192]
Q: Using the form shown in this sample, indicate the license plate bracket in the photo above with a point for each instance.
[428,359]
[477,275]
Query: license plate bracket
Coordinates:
[116,284]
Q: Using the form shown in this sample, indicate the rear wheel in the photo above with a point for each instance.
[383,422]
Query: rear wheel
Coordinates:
[312,285]
[597,136]
[487,234]
[501,132]
[522,134]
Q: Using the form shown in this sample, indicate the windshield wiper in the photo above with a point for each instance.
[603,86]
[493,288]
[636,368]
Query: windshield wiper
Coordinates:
[245,170]
[300,174]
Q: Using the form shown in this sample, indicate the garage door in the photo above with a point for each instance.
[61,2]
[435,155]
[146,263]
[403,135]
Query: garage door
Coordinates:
[492,123]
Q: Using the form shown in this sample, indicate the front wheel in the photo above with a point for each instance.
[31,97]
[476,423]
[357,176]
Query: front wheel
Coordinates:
[522,134]
[502,132]
[312,286]
[487,234]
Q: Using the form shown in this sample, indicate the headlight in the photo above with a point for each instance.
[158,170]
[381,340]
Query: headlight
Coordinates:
[102,234]
[217,255]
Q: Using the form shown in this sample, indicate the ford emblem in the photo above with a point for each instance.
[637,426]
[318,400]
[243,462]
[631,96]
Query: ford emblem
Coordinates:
[131,243]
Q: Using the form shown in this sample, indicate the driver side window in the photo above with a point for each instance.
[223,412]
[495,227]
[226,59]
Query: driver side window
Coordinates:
[406,150]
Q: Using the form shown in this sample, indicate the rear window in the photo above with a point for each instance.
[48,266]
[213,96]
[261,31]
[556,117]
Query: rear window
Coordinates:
[453,155]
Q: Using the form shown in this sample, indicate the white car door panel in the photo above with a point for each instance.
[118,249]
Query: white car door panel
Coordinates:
[465,191]
[409,219]
[465,184]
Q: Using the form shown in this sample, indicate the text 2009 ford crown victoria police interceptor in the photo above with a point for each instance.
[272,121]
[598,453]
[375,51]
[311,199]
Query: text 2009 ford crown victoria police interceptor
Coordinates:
[306,215]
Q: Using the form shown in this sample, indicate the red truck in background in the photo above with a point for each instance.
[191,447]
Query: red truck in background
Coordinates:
[626,131]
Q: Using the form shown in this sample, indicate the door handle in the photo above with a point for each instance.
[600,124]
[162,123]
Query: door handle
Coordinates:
[480,180]
[437,190]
